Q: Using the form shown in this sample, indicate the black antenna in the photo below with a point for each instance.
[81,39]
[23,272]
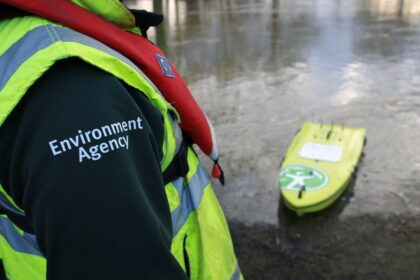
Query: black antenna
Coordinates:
[302,189]
[329,132]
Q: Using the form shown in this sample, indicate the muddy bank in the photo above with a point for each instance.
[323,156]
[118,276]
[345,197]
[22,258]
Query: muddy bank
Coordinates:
[319,247]
[332,244]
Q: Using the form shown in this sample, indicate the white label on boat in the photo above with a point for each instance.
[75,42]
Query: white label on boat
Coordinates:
[321,152]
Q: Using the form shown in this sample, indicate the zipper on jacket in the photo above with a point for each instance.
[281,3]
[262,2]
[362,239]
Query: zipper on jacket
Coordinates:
[186,258]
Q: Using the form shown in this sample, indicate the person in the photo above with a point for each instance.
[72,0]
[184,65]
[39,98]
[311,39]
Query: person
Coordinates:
[86,141]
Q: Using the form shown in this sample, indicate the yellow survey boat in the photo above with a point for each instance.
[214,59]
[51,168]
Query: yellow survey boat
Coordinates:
[319,165]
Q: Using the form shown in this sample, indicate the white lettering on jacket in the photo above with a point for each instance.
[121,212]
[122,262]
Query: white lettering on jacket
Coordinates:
[95,143]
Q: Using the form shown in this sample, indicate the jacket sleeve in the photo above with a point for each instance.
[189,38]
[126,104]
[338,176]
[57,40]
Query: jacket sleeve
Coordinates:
[85,167]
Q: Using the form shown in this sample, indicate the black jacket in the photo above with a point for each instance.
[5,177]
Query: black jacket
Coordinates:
[97,219]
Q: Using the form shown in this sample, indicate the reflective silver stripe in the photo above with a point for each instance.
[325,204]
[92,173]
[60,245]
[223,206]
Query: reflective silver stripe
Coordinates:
[24,244]
[190,196]
[35,40]
[68,35]
[40,38]
[237,274]
[180,214]
[178,134]
[4,203]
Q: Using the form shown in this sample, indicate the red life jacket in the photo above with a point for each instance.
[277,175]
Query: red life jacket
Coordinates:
[144,54]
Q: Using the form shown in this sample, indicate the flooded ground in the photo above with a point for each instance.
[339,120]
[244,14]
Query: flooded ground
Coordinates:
[261,68]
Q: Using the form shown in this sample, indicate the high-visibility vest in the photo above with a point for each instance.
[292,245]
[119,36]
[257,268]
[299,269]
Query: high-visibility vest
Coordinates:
[29,47]
[111,23]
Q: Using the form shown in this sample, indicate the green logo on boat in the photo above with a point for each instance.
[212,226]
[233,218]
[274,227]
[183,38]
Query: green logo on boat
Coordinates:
[294,177]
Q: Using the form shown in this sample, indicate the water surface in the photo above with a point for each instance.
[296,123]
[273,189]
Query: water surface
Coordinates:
[260,68]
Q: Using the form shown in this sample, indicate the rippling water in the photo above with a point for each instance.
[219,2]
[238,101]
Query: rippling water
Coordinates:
[261,68]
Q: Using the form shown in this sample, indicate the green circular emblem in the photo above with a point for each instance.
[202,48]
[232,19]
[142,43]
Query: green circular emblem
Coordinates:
[294,177]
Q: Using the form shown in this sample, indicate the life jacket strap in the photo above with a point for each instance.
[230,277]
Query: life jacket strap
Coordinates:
[179,165]
[217,172]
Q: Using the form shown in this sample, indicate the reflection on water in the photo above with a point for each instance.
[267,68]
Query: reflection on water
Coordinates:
[259,68]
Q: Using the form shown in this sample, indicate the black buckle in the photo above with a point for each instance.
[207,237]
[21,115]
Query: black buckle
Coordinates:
[179,165]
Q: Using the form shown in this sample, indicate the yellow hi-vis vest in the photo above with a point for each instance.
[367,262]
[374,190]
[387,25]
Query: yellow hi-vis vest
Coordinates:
[29,46]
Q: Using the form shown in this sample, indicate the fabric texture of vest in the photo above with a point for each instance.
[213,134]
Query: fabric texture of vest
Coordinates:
[29,47]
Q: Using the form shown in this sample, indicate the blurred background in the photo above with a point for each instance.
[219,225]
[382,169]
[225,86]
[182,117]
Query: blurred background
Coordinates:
[259,68]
